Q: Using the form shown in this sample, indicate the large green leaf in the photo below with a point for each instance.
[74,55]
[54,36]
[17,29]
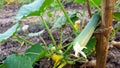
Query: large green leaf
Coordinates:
[97,2]
[80,1]
[33,9]
[36,52]
[17,61]
[117,16]
[62,20]
[9,32]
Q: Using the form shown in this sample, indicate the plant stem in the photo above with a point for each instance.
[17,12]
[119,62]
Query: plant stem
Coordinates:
[103,35]
[66,15]
[68,48]
[47,28]
[43,40]
[61,38]
[20,38]
[88,8]
[83,16]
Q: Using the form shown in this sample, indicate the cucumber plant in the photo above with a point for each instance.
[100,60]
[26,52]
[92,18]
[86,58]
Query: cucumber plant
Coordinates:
[83,43]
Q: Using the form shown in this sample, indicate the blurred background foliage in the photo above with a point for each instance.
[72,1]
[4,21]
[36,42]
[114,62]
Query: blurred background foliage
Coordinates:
[7,2]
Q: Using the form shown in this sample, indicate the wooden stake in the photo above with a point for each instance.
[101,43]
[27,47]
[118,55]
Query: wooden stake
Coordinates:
[103,33]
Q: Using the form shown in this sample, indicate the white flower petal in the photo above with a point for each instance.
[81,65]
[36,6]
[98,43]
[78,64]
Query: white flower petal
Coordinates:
[83,54]
[76,54]
[78,49]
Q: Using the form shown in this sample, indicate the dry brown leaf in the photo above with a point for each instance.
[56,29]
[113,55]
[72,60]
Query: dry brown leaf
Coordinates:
[91,63]
[116,44]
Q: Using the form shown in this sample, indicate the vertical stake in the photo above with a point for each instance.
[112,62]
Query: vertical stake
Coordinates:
[104,32]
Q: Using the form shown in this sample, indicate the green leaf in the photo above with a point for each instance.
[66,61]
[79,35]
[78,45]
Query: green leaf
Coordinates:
[80,1]
[49,13]
[97,2]
[61,21]
[9,32]
[36,52]
[17,61]
[55,6]
[90,45]
[33,9]
[117,16]
[2,66]
[36,34]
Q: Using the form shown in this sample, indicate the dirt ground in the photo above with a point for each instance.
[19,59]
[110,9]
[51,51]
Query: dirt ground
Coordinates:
[12,46]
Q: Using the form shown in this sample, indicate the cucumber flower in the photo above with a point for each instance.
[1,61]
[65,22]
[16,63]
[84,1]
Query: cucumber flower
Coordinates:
[78,49]
[56,58]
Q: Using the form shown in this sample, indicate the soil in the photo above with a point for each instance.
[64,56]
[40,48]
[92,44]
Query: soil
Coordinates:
[12,46]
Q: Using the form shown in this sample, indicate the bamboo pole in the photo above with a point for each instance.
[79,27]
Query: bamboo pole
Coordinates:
[103,33]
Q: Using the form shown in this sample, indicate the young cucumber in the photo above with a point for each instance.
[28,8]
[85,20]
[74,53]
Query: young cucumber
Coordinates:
[82,39]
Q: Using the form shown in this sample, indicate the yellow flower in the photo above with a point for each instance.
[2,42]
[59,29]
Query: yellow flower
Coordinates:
[56,58]
[77,25]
